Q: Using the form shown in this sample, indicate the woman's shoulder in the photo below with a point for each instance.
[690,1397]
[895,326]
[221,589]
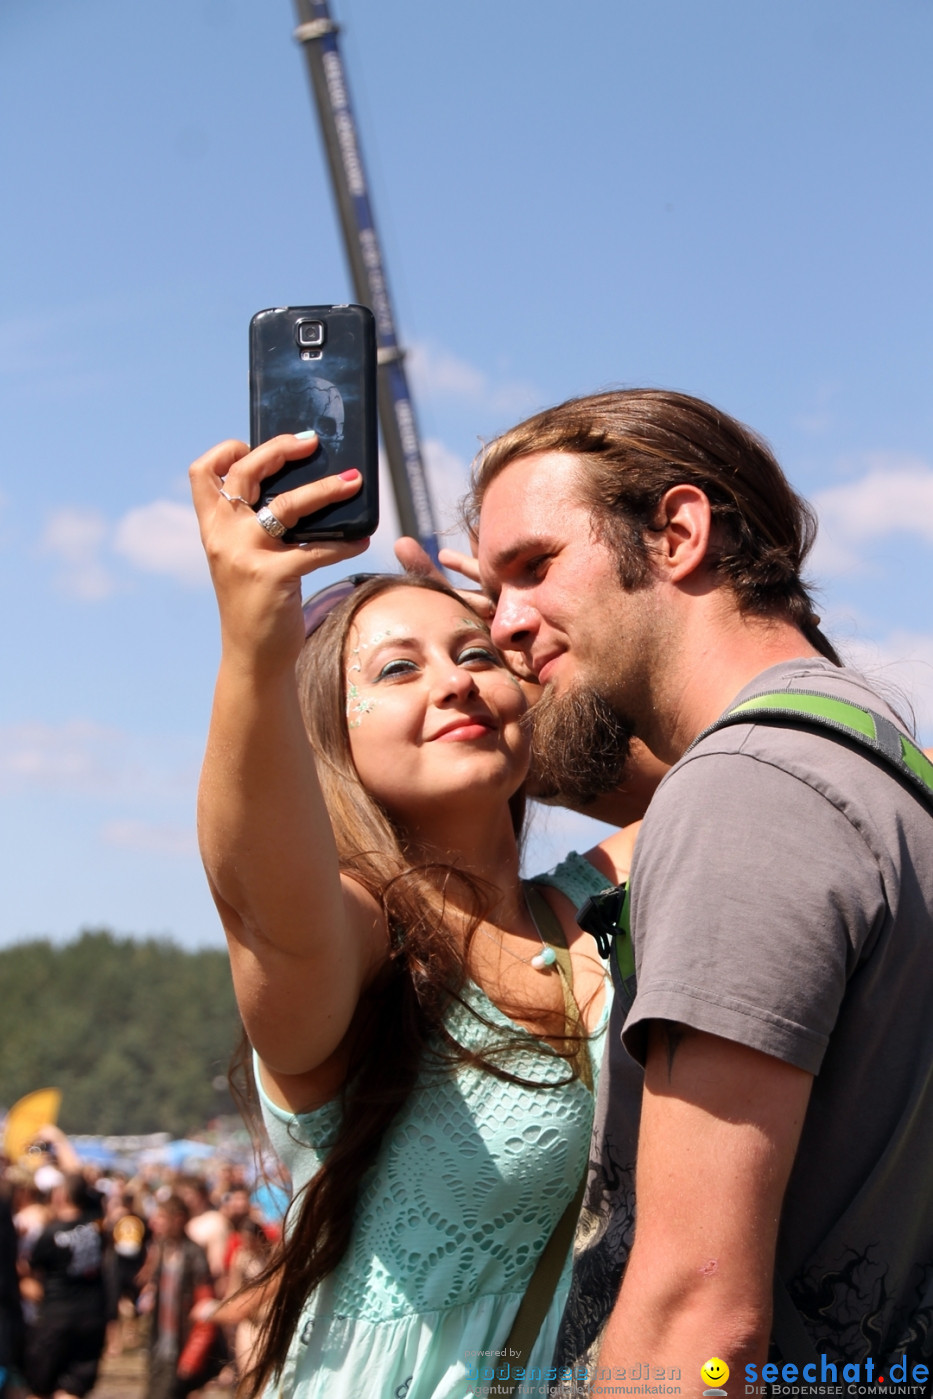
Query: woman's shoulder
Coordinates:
[576,877]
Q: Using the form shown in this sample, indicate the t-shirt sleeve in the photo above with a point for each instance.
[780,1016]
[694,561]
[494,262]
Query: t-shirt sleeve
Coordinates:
[753,898]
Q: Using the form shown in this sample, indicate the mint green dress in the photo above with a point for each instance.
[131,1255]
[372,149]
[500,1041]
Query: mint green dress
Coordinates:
[470,1181]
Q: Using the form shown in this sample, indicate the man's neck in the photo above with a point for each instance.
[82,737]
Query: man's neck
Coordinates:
[721,660]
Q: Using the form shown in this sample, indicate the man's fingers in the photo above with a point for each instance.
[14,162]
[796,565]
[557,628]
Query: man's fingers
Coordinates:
[460,563]
[414,559]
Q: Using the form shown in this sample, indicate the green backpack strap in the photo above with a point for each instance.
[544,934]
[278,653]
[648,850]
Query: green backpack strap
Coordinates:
[607,916]
[866,728]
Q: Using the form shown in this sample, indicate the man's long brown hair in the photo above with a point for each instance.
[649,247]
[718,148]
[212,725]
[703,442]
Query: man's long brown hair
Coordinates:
[401,1017]
[633,445]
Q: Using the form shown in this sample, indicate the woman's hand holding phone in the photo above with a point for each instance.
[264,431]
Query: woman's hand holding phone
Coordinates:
[257,578]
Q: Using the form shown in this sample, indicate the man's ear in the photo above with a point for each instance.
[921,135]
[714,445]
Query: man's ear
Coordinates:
[681,533]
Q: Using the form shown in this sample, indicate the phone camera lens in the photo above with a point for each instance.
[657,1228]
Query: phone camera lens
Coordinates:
[310,333]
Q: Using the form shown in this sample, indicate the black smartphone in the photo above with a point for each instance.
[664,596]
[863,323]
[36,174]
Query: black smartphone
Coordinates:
[315,367]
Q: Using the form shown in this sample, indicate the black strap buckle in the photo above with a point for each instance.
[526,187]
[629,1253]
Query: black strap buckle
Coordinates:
[601,917]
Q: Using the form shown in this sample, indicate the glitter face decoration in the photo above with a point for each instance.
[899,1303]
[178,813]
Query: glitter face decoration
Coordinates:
[358,705]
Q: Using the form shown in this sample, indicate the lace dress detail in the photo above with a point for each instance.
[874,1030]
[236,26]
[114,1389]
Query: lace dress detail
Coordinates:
[471,1179]
[576,878]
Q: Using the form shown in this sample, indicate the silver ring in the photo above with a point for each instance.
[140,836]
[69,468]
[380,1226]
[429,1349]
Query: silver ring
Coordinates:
[270,523]
[233,498]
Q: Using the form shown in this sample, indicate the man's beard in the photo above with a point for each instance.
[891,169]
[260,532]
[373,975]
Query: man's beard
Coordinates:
[579,746]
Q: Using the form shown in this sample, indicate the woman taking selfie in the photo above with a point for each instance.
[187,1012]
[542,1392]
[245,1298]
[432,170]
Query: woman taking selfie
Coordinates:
[424,1056]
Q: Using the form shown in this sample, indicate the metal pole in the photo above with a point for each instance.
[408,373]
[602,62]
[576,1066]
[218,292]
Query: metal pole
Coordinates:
[317,33]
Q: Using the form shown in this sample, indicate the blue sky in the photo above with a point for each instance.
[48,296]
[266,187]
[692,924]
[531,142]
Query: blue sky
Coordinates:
[719,197]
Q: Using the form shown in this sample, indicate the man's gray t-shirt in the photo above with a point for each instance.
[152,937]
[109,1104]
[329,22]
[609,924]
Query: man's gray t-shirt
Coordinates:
[782,897]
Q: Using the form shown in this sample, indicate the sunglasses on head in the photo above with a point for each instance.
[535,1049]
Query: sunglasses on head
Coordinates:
[318,607]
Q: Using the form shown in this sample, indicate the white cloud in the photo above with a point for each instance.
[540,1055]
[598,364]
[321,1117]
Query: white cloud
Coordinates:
[163,538]
[147,838]
[76,754]
[894,496]
[95,761]
[76,536]
[436,373]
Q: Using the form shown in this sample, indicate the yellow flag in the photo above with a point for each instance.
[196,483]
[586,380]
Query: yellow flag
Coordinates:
[25,1117]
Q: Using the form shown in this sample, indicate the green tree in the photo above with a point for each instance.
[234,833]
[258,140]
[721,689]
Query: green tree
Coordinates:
[133,1032]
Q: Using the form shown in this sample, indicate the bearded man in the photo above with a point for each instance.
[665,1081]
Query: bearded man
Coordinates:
[771,1044]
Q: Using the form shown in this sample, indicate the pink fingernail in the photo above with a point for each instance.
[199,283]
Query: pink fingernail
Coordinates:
[350,475]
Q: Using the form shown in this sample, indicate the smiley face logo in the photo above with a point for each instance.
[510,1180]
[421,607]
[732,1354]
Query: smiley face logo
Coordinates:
[715,1372]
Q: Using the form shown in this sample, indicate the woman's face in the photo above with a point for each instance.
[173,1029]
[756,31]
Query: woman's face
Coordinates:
[432,711]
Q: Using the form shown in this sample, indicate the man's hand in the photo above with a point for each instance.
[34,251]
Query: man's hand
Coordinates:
[719,1131]
[414,560]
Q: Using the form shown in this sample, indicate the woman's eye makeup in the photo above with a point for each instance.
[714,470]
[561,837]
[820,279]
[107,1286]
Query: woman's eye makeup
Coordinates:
[400,665]
[470,655]
[478,652]
[354,659]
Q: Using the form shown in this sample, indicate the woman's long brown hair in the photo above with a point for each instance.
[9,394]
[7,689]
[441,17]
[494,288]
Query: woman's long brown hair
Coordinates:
[401,1017]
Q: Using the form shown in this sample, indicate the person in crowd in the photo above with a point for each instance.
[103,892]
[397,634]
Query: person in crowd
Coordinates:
[208,1226]
[30,1205]
[66,1339]
[126,1237]
[424,1024]
[236,1209]
[11,1311]
[184,1353]
[771,1026]
[246,1304]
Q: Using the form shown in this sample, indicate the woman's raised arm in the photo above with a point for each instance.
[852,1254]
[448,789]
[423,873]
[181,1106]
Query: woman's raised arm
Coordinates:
[303,940]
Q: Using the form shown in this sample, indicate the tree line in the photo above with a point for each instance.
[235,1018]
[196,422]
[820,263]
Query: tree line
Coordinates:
[135,1033]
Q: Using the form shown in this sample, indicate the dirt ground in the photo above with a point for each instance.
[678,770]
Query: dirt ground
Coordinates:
[124,1377]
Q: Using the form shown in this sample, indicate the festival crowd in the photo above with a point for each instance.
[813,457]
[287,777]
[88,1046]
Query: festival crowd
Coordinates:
[98,1262]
